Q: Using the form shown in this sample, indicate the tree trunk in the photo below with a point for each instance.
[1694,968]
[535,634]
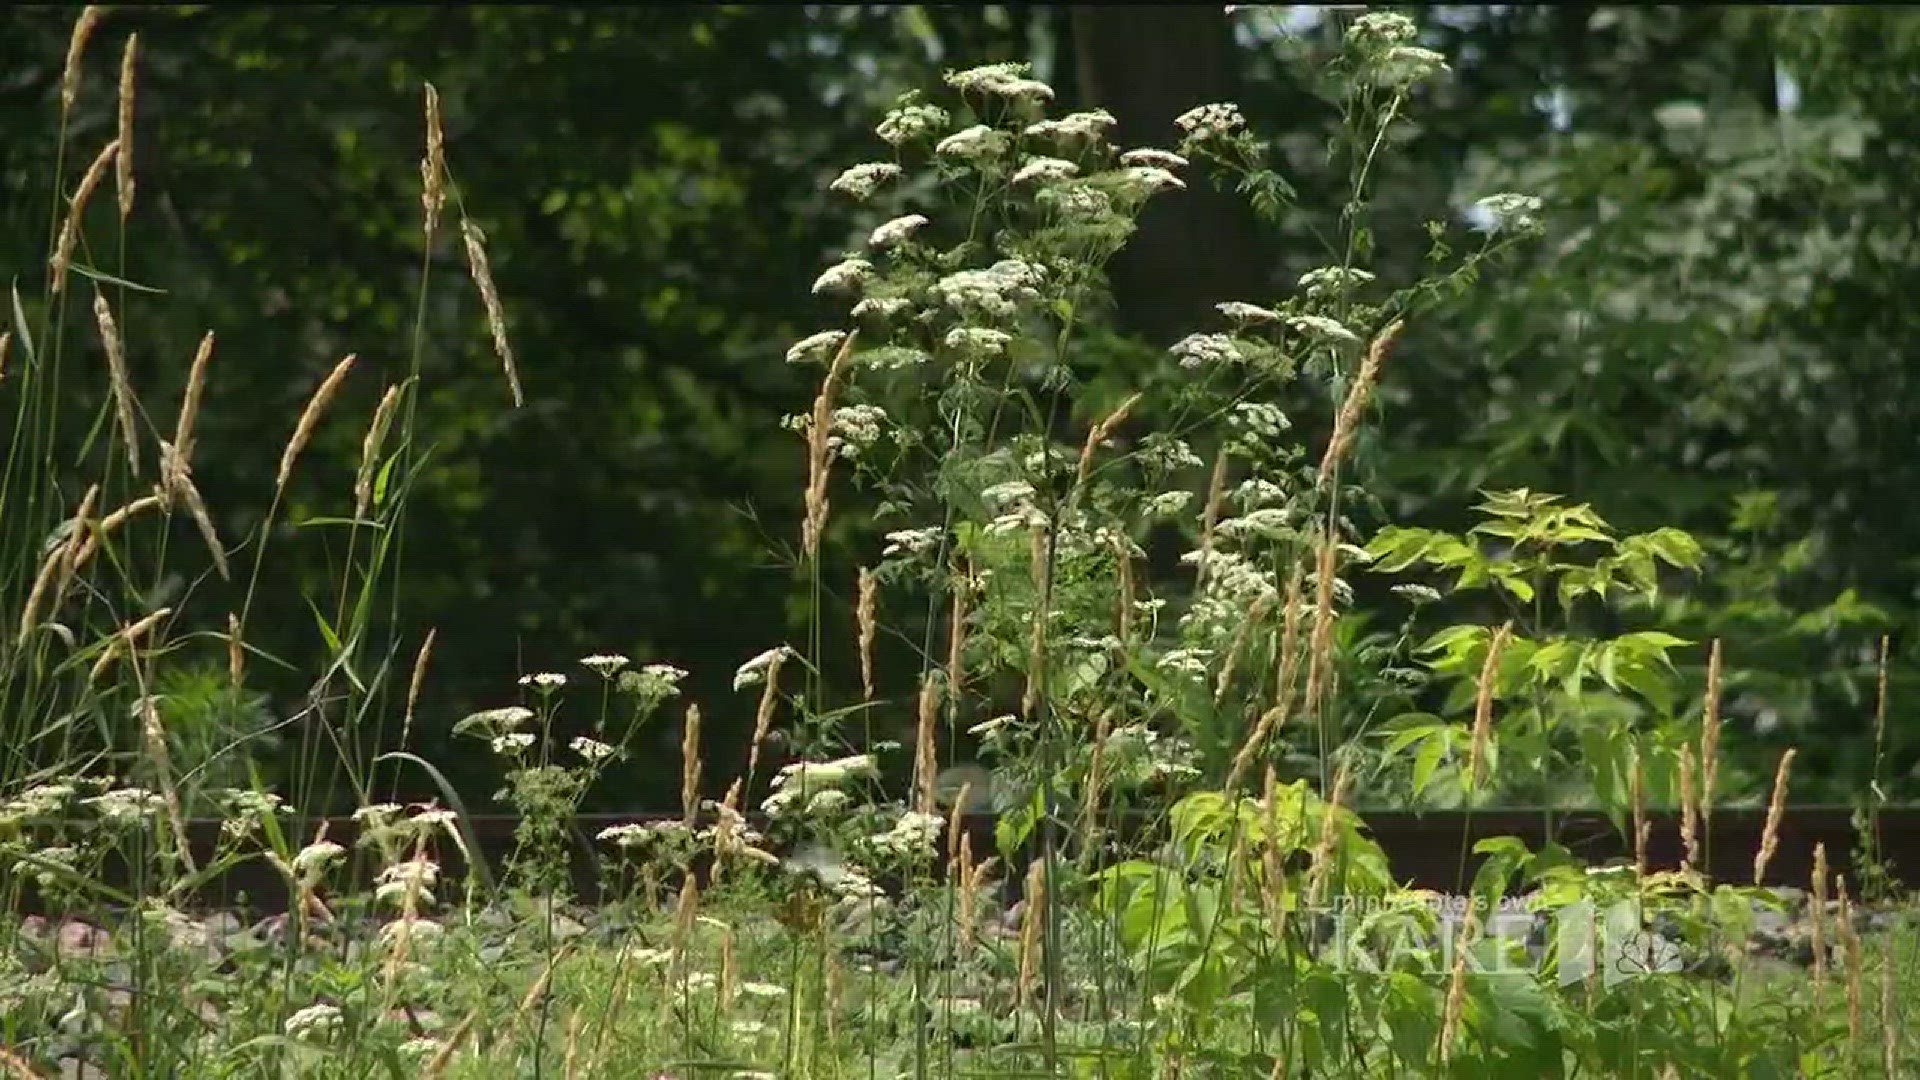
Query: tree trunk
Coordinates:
[1147,65]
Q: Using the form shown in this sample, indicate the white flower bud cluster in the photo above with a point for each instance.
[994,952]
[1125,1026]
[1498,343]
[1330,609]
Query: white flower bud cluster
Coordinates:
[911,120]
[861,181]
[1208,122]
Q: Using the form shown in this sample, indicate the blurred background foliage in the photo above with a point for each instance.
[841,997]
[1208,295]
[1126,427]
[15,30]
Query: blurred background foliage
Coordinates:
[1714,334]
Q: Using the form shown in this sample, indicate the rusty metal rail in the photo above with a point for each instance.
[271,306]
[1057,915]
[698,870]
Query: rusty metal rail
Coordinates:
[1432,850]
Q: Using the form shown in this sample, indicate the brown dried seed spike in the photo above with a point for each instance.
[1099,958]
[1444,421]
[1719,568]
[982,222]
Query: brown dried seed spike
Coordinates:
[433,167]
[414,684]
[123,172]
[1483,706]
[310,419]
[118,381]
[1776,808]
[76,48]
[476,244]
[864,619]
[77,208]
[1348,419]
[190,403]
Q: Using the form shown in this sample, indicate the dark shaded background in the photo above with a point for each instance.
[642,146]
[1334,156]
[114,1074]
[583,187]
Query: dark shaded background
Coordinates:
[1722,305]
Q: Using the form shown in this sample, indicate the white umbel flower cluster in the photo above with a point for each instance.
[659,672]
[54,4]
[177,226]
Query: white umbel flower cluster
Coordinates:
[861,181]
[896,232]
[995,292]
[1089,125]
[845,276]
[1147,157]
[315,1023]
[1509,211]
[814,346]
[605,665]
[1152,179]
[754,671]
[1328,281]
[1006,80]
[1045,170]
[1323,328]
[910,121]
[976,144]
[882,307]
[1214,121]
[912,837]
[1205,350]
[978,341]
[1244,314]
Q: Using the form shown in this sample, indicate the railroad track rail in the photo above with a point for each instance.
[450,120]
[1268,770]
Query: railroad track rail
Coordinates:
[1431,850]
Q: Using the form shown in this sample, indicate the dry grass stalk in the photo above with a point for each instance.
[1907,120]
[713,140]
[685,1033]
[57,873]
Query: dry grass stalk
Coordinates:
[37,596]
[1123,561]
[685,911]
[1323,850]
[123,172]
[1817,930]
[1483,705]
[690,764]
[1032,923]
[15,1067]
[819,463]
[963,882]
[1637,781]
[569,1065]
[925,761]
[310,419]
[182,456]
[197,510]
[127,637]
[1776,807]
[1255,616]
[1101,432]
[111,523]
[1320,645]
[956,823]
[370,449]
[763,715]
[957,639]
[154,734]
[1710,738]
[76,211]
[437,1065]
[864,615]
[236,652]
[1850,941]
[1273,881]
[1210,516]
[1286,671]
[433,167]
[729,969]
[1457,986]
[1889,1017]
[120,383]
[1347,420]
[83,29]
[58,568]
[1689,810]
[414,684]
[1041,562]
[69,554]
[476,244]
[409,911]
[1096,775]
